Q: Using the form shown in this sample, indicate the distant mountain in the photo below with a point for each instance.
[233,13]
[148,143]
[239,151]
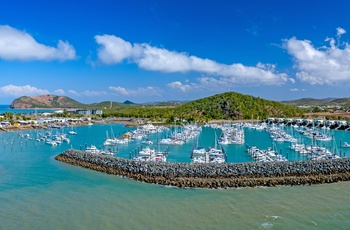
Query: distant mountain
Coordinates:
[104,104]
[228,105]
[52,101]
[165,103]
[329,99]
[341,101]
[127,102]
[45,101]
[319,102]
[306,102]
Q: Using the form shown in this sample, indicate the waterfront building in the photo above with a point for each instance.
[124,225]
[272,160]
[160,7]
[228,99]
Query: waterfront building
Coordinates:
[89,112]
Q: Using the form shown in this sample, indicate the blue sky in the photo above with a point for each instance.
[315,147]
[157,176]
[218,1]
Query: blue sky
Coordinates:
[163,50]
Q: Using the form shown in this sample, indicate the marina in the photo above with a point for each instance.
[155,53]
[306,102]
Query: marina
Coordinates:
[226,142]
[174,115]
[34,182]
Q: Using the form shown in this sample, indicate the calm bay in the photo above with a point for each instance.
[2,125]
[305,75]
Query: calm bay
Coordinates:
[38,192]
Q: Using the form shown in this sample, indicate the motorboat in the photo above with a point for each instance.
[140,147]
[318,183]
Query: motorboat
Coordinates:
[72,132]
[92,149]
[147,142]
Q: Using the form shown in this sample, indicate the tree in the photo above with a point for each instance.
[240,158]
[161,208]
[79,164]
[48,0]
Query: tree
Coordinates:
[316,109]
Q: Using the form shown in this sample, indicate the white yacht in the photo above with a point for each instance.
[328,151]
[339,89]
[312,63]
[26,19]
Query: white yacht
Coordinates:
[72,132]
[51,142]
[92,149]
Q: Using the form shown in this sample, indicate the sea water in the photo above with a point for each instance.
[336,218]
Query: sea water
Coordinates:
[38,192]
[6,108]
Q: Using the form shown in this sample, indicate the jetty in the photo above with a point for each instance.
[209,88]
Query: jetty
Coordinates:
[214,175]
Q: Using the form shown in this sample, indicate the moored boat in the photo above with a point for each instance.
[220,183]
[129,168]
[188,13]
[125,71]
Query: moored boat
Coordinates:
[345,145]
[92,149]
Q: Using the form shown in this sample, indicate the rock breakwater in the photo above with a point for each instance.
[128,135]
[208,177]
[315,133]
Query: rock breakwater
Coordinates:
[215,175]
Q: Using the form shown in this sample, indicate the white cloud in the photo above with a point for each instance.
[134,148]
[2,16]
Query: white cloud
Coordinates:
[19,45]
[119,90]
[142,91]
[340,31]
[90,93]
[87,93]
[211,83]
[326,65]
[59,92]
[26,90]
[180,86]
[113,50]
[73,92]
[291,80]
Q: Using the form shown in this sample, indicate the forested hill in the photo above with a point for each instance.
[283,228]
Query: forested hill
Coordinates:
[233,105]
[228,105]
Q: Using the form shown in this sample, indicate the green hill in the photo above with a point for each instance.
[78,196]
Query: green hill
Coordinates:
[228,105]
[341,101]
[235,106]
[105,104]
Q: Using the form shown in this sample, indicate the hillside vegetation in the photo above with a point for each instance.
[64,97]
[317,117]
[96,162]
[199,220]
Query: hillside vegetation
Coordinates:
[311,102]
[45,101]
[228,105]
[307,102]
[233,105]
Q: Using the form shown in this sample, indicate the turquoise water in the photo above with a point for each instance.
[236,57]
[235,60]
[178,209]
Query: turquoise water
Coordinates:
[37,192]
[6,108]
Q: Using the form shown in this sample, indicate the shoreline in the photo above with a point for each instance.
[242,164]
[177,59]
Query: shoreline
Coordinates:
[228,175]
[128,122]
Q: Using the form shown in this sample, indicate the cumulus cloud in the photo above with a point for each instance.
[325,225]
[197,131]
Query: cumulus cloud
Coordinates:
[211,83]
[325,65]
[91,93]
[59,92]
[73,92]
[340,31]
[19,45]
[113,50]
[178,85]
[26,90]
[142,91]
[119,90]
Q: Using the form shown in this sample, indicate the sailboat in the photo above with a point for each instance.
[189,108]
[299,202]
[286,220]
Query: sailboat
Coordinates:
[216,155]
[72,132]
